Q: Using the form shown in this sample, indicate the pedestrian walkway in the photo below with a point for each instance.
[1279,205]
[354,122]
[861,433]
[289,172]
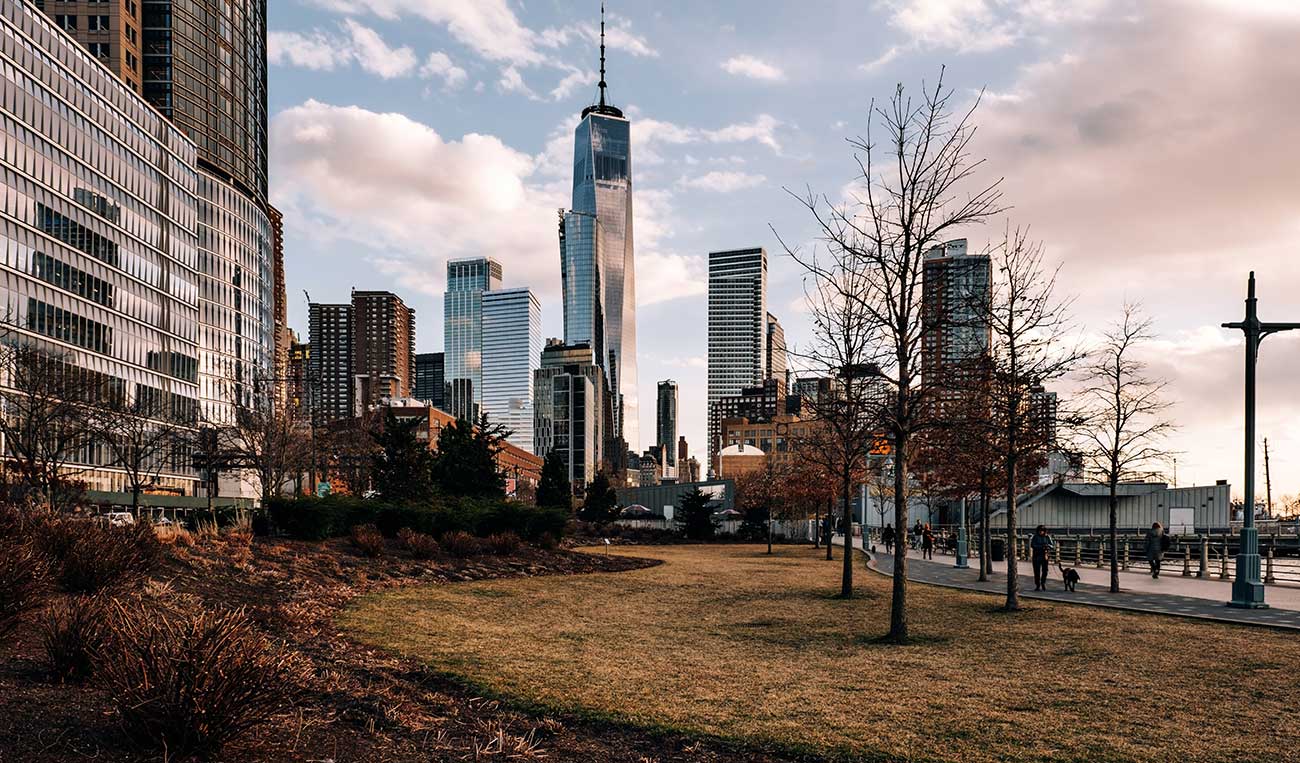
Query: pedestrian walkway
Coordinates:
[1170,595]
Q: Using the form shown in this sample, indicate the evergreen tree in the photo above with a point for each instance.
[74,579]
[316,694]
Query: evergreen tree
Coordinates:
[466,462]
[403,465]
[694,516]
[601,504]
[555,488]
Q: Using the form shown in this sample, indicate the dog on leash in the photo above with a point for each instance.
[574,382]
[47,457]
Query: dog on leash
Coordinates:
[1070,575]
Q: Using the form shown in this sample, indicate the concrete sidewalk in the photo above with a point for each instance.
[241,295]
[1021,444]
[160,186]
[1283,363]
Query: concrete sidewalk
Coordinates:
[1169,595]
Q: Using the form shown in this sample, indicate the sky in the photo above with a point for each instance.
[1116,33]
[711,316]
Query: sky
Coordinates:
[1150,146]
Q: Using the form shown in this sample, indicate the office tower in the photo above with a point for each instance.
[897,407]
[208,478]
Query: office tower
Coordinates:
[330,367]
[737,327]
[383,349]
[467,279]
[683,450]
[598,266]
[430,384]
[77,236]
[281,333]
[571,409]
[512,348]
[955,291]
[109,30]
[776,363]
[666,426]
[1043,412]
[297,375]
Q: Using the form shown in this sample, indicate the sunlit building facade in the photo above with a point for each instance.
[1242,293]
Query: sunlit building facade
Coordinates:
[512,349]
[738,340]
[467,280]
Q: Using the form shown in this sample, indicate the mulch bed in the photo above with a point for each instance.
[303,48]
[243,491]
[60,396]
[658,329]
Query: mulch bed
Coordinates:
[362,704]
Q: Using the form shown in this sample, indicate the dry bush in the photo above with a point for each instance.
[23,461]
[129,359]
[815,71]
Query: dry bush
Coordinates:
[460,544]
[421,545]
[368,540]
[189,680]
[174,535]
[503,544]
[24,582]
[548,541]
[240,535]
[93,557]
[206,531]
[73,634]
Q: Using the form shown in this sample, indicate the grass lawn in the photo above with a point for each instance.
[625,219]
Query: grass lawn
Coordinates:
[727,641]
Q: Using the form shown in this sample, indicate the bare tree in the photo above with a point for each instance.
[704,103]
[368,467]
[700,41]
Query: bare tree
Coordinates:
[1124,421]
[268,443]
[844,347]
[1030,327]
[46,420]
[144,435]
[913,165]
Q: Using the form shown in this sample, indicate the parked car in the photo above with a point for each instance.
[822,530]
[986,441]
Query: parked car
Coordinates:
[119,518]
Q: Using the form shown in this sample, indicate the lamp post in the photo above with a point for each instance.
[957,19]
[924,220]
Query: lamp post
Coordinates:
[1247,588]
[962,549]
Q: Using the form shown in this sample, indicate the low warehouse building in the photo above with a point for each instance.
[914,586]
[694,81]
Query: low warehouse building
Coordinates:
[1083,506]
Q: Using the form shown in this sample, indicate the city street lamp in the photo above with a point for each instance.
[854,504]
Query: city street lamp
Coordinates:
[1247,588]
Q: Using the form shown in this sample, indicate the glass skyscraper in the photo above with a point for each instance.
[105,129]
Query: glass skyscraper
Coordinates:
[462,309]
[512,351]
[597,255]
[737,328]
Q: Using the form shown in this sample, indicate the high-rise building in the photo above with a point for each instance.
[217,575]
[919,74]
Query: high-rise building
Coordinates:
[571,409]
[512,348]
[281,333]
[467,279]
[737,327]
[111,31]
[955,291]
[99,231]
[666,426]
[776,363]
[430,379]
[329,377]
[383,349]
[297,375]
[597,256]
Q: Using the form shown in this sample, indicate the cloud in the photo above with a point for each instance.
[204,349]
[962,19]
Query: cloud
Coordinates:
[618,36]
[325,51]
[650,136]
[439,65]
[971,26]
[572,82]
[364,179]
[882,60]
[754,68]
[488,27]
[722,181]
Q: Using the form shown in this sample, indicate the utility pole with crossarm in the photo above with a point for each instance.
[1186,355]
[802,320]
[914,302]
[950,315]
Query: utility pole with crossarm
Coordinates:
[1247,588]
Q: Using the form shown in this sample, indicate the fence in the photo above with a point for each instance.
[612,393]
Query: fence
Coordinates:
[1204,555]
[799,530]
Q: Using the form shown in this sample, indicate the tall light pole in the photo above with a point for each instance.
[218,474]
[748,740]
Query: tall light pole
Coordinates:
[1247,588]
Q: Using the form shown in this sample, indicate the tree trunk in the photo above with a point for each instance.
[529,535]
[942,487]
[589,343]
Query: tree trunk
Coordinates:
[1013,573]
[826,529]
[986,563]
[898,602]
[846,577]
[135,501]
[1114,539]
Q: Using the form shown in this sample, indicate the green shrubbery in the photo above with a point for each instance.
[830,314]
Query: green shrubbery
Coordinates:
[335,516]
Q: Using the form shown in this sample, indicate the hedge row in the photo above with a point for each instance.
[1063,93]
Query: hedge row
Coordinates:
[335,516]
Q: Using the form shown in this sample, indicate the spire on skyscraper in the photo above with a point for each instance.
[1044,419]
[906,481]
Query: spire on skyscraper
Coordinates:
[602,106]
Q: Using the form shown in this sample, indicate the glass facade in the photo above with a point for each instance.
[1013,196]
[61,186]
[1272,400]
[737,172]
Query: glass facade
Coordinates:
[602,186]
[467,279]
[955,284]
[330,367]
[204,67]
[581,256]
[429,379]
[737,327]
[100,258]
[512,349]
[571,409]
[666,426]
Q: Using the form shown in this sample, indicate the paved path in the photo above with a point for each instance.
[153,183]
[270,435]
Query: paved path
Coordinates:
[1182,597]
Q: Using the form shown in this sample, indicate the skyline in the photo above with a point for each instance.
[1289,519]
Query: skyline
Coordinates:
[730,108]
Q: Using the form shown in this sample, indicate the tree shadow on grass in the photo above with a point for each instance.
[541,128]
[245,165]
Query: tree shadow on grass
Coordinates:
[922,640]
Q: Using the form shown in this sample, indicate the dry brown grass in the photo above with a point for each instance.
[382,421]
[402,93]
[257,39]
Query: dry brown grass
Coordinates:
[725,640]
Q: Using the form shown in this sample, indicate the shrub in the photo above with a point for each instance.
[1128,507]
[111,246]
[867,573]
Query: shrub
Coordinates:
[368,540]
[174,535]
[92,557]
[24,583]
[503,544]
[73,634]
[190,680]
[548,542]
[334,516]
[460,544]
[421,545]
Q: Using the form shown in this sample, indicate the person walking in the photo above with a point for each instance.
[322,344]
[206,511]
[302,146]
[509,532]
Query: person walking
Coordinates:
[917,529]
[927,543]
[1156,544]
[1040,546]
[887,538]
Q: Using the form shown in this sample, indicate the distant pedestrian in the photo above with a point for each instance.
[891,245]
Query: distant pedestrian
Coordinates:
[1040,546]
[917,529]
[927,543]
[1156,545]
[887,538]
